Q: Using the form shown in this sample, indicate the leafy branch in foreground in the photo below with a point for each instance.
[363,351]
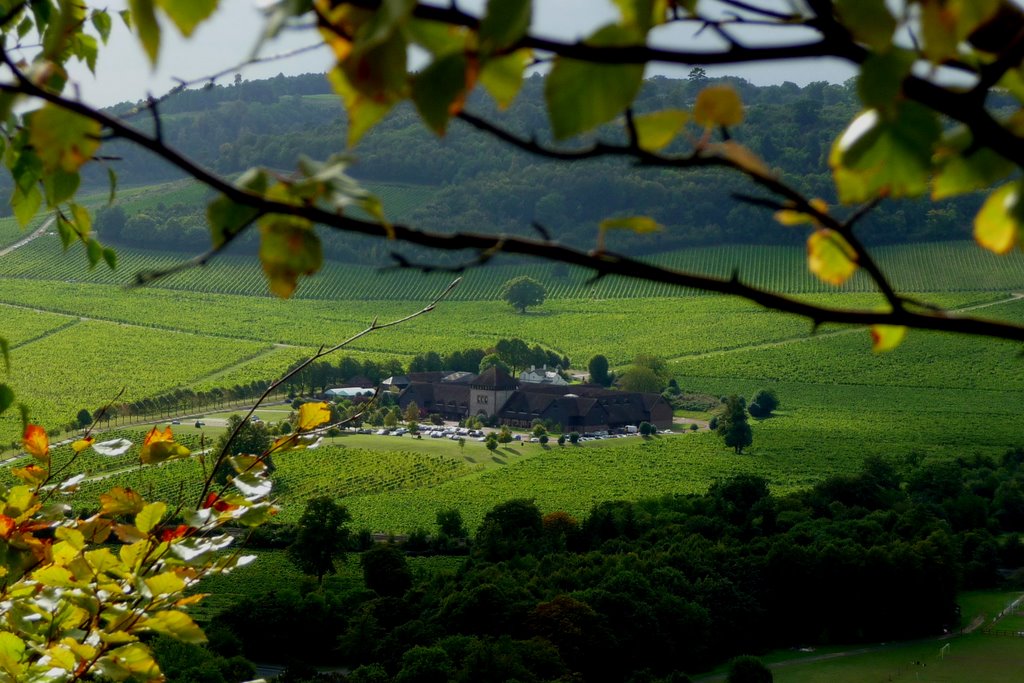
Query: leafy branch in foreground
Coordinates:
[75,605]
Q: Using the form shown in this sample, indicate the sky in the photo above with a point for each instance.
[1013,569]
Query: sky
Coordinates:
[124,73]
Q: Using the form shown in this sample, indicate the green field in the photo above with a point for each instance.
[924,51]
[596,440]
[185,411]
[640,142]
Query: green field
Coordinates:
[976,658]
[78,340]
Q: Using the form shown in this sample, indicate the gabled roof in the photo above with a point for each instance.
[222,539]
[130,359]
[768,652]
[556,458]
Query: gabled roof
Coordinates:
[494,378]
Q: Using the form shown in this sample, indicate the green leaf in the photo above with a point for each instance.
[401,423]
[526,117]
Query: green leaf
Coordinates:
[93,251]
[6,398]
[998,223]
[146,27]
[288,248]
[870,21]
[503,76]
[583,95]
[960,172]
[83,221]
[187,14]
[436,37]
[363,112]
[66,231]
[885,154]
[947,23]
[504,23]
[227,218]
[101,22]
[881,77]
[60,186]
[656,130]
[26,205]
[176,624]
[439,90]
[63,139]
[149,517]
[112,182]
[110,256]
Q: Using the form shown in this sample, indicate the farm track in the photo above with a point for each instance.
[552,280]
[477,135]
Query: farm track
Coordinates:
[1013,297]
[38,232]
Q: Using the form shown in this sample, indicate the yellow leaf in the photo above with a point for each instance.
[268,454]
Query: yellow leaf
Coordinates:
[742,156]
[72,537]
[886,337]
[718,105]
[52,575]
[33,475]
[81,444]
[177,625]
[135,660]
[12,652]
[312,415]
[165,584]
[830,256]
[789,217]
[150,516]
[81,650]
[159,446]
[36,442]
[656,130]
[62,657]
[121,501]
[997,225]
[638,224]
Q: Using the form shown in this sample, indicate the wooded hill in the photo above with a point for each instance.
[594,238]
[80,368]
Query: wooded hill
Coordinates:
[468,179]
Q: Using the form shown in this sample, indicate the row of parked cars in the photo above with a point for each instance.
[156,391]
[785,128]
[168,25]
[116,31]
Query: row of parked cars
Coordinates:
[431,431]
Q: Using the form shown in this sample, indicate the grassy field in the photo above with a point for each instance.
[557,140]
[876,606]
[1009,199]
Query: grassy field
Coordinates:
[937,396]
[976,658]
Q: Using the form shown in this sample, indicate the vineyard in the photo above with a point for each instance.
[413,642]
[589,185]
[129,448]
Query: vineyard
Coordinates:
[964,267]
[85,365]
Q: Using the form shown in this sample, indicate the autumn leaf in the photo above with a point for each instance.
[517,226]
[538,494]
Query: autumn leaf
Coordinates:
[81,444]
[121,501]
[312,415]
[160,446]
[886,337]
[718,105]
[830,256]
[36,442]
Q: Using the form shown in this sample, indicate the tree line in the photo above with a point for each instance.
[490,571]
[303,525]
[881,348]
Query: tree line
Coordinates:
[480,181]
[655,589]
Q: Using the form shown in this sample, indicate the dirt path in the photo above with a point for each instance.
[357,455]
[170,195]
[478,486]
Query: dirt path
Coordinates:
[38,232]
[1014,296]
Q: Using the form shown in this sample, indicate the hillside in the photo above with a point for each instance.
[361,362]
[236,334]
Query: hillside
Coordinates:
[467,180]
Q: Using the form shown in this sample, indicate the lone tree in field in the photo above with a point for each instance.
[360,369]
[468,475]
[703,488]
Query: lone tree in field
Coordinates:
[321,538]
[733,426]
[523,291]
[764,403]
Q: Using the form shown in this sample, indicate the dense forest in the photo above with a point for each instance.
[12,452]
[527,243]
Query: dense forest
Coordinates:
[655,589]
[471,180]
